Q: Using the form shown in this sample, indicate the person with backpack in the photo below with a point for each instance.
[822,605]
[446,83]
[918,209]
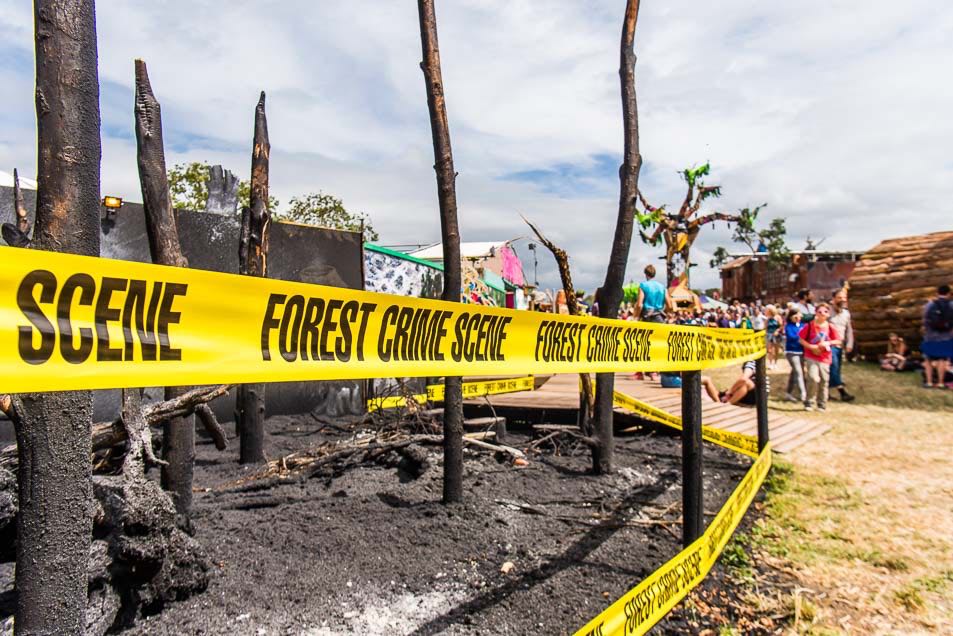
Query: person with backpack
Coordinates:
[819,337]
[937,345]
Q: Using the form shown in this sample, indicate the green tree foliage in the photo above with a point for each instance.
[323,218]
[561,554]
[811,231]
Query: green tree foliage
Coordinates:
[769,240]
[326,210]
[188,186]
[719,258]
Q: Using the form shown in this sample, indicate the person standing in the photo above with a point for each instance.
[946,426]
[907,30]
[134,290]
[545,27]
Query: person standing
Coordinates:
[794,353]
[773,335]
[937,345]
[840,318]
[651,305]
[653,298]
[818,338]
[805,304]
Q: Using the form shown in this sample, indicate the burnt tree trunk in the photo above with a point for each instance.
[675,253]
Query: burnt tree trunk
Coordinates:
[178,434]
[53,433]
[252,261]
[586,398]
[450,235]
[610,294]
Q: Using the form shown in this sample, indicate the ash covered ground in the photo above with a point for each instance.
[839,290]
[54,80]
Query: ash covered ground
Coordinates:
[372,550]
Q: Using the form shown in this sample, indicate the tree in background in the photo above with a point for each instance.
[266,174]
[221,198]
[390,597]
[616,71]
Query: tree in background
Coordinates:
[679,230]
[325,210]
[769,240]
[188,185]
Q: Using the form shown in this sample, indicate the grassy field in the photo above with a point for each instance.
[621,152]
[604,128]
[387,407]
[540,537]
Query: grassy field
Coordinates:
[861,518]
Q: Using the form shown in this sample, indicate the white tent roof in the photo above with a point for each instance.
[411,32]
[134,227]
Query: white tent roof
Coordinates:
[467,250]
[6,179]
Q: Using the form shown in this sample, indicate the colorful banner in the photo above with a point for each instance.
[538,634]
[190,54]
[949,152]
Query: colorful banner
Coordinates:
[78,322]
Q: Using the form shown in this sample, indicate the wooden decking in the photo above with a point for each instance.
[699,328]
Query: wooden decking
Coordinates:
[562,392]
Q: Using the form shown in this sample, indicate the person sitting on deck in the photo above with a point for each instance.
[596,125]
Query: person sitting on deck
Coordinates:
[744,390]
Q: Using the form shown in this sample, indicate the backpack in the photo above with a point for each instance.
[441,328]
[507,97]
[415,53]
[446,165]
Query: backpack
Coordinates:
[940,315]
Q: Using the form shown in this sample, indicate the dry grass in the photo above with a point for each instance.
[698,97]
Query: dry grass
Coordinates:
[862,517]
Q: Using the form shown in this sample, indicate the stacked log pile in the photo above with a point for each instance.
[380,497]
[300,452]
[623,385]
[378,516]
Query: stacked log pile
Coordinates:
[891,284]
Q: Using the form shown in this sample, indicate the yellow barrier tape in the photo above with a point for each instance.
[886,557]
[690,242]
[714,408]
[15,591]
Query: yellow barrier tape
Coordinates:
[470,390]
[738,442]
[643,606]
[79,322]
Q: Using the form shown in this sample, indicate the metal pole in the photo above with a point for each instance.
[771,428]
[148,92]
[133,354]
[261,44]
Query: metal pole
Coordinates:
[693,519]
[761,382]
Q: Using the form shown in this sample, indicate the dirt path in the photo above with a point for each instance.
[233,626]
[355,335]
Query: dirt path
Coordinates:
[859,526]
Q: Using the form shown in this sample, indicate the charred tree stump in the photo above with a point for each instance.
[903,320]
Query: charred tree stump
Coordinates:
[253,261]
[609,296]
[450,235]
[178,435]
[53,430]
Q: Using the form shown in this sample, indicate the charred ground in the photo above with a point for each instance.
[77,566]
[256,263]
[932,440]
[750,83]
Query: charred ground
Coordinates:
[369,548]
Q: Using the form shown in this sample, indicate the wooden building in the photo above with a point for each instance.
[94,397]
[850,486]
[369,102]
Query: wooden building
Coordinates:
[749,276]
[891,285]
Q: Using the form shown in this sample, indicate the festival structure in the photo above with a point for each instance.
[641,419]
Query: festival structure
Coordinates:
[891,285]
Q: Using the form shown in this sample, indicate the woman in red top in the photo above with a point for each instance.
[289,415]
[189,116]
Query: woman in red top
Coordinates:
[817,337]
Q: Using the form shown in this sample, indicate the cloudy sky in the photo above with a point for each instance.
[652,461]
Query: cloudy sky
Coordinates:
[837,114]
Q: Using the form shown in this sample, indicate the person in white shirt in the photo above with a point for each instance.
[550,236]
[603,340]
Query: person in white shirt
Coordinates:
[805,304]
[840,318]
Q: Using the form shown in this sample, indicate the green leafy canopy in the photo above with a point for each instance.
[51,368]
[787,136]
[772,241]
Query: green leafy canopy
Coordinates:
[188,186]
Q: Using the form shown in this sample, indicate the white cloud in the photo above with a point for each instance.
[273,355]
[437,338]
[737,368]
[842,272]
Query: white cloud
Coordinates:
[835,115]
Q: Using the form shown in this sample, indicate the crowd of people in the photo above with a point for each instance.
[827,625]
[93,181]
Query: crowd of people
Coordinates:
[813,337]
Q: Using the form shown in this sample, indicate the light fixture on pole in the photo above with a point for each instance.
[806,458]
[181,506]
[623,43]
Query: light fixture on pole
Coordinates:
[112,203]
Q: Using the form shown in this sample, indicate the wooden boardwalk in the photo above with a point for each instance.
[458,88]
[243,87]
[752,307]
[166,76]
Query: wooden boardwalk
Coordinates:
[562,392]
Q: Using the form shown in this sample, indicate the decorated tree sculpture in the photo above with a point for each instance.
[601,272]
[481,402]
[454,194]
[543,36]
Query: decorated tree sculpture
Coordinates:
[680,229]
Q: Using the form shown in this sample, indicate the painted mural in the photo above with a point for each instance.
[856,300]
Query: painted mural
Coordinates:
[389,273]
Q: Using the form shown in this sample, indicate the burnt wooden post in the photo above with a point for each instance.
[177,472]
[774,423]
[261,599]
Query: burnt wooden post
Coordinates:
[761,382]
[693,517]
[252,261]
[609,295]
[450,235]
[53,430]
[178,433]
